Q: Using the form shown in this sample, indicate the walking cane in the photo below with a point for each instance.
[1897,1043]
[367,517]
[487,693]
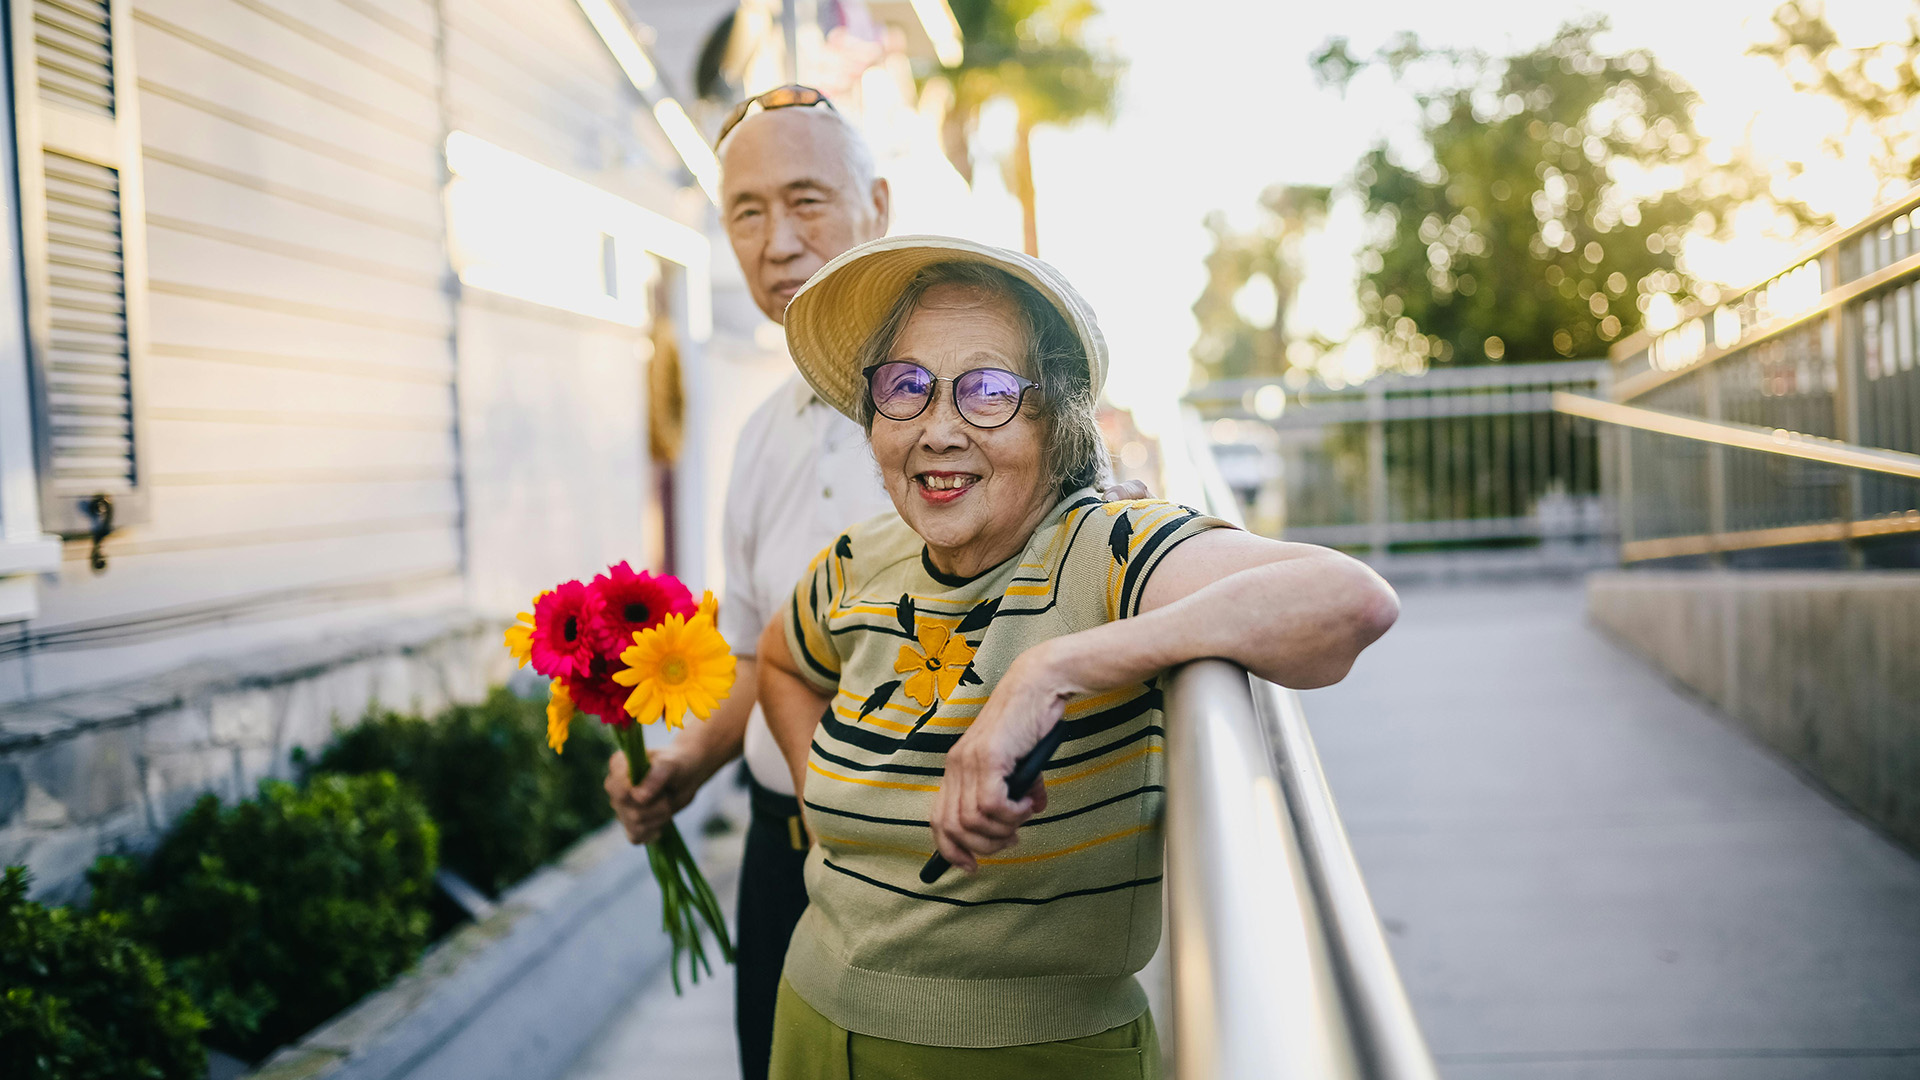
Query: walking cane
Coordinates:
[1019,782]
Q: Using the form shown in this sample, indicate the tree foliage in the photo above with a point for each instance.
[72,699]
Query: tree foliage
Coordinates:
[1547,218]
[1878,85]
[1232,344]
[1034,53]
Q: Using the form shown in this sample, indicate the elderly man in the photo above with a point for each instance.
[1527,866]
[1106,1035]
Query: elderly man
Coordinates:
[798,187]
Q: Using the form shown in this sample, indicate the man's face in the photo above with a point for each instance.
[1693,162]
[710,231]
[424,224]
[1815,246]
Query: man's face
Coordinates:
[792,199]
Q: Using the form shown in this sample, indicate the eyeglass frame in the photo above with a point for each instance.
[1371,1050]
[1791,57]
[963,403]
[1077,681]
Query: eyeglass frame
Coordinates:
[744,109]
[953,391]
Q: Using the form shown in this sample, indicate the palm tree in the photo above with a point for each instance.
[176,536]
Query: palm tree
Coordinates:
[1032,52]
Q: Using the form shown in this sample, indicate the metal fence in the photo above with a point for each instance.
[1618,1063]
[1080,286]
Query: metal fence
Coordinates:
[1454,458]
[1825,350]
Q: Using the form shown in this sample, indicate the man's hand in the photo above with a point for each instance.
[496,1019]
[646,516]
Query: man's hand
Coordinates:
[682,765]
[668,787]
[1126,491]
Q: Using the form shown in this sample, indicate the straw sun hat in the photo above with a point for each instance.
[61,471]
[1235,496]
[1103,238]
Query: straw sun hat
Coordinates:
[830,319]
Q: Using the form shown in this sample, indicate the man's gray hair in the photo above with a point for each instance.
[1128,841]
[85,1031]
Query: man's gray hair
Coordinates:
[1075,456]
[858,155]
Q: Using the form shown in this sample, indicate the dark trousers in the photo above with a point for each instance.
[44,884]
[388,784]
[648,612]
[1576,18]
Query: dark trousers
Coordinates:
[772,897]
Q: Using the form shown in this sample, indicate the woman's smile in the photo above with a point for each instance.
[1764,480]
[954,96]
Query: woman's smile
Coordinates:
[939,487]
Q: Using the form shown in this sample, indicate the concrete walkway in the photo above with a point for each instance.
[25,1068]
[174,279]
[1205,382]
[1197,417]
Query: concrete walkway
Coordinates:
[660,1035]
[1585,873]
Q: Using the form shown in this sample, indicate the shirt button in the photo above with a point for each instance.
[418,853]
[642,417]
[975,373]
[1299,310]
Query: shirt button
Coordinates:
[826,493]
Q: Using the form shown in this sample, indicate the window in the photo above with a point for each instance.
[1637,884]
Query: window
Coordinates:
[82,255]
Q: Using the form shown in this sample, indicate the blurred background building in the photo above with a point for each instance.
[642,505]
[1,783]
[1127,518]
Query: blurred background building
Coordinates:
[337,329]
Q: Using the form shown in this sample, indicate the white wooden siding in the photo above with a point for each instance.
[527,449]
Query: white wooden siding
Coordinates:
[300,426]
[553,406]
[305,442]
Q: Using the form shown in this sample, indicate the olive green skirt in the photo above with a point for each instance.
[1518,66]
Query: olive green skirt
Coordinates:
[808,1046]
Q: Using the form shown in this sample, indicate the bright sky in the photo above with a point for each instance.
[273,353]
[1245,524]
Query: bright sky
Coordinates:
[1219,102]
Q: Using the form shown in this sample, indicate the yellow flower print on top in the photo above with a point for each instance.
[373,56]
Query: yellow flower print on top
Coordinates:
[936,666]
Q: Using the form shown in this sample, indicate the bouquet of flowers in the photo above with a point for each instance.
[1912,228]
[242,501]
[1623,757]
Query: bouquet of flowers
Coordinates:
[632,648]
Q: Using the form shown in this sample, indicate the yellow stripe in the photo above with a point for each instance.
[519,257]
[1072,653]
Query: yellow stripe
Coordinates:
[849,714]
[1029,590]
[1101,701]
[891,849]
[1146,527]
[1045,855]
[822,650]
[873,783]
[909,709]
[1102,767]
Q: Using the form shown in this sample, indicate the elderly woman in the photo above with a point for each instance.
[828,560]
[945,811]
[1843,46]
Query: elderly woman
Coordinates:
[923,655]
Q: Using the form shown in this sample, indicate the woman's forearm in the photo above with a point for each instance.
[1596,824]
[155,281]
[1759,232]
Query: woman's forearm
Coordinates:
[791,705]
[1299,622]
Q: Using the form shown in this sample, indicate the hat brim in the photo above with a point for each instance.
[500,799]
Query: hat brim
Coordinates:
[834,314]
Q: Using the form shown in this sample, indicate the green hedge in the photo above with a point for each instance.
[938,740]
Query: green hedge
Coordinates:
[506,804]
[80,1000]
[279,911]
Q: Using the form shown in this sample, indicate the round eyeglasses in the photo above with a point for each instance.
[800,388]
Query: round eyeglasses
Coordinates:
[985,397]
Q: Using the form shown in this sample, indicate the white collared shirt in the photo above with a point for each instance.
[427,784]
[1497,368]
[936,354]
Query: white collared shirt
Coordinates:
[802,473]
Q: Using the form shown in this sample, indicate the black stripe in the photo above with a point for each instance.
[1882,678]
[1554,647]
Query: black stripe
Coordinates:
[1030,901]
[800,636]
[890,631]
[927,742]
[918,823]
[1136,567]
[911,770]
[1145,732]
[869,739]
[1108,719]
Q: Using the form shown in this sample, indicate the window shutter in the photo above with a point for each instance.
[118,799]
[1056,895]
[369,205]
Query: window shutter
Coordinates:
[83,252]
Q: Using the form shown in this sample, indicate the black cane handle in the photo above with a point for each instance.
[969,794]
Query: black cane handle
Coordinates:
[1019,782]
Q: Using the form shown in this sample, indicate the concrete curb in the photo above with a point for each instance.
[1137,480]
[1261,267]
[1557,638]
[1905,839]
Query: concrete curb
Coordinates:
[516,996]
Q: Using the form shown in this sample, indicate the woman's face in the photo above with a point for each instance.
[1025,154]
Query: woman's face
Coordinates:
[974,495]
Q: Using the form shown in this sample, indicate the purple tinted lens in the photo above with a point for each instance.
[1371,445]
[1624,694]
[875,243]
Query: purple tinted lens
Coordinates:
[988,396]
[900,389]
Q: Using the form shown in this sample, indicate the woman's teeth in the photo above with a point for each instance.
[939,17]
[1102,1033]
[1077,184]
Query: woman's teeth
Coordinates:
[946,483]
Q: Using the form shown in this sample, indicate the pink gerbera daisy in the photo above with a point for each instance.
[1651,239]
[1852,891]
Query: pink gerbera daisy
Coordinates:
[597,694]
[631,602]
[562,631]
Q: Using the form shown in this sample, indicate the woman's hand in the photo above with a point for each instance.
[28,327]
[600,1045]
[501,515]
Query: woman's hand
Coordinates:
[972,815]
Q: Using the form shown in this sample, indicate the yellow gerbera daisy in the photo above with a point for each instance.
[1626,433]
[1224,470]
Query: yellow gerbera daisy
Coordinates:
[559,714]
[709,607]
[678,666]
[520,635]
[936,665]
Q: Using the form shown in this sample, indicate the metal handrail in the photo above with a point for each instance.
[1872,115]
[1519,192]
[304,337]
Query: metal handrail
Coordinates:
[1280,968]
[1791,444]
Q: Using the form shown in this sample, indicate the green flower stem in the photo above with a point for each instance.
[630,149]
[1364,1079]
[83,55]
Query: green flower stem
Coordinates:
[686,900]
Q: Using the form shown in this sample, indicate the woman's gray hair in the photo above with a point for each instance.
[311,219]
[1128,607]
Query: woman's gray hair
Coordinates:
[1075,455]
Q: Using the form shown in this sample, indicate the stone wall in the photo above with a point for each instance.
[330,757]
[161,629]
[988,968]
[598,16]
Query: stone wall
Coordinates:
[108,770]
[1822,666]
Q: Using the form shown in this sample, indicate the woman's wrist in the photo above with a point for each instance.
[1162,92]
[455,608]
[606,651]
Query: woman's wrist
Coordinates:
[1063,665]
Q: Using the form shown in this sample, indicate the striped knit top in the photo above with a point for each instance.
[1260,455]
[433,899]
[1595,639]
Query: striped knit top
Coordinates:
[1043,943]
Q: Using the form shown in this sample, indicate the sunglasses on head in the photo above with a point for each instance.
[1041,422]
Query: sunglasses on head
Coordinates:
[985,397]
[791,96]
